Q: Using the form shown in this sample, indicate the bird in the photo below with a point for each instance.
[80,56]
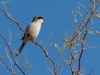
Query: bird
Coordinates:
[33,30]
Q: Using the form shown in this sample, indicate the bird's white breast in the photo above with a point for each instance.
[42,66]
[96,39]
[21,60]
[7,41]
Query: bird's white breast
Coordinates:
[34,29]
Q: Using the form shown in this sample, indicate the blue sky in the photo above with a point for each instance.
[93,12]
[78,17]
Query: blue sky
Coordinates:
[58,20]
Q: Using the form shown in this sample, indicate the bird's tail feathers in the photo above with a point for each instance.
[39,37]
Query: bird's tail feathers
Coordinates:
[20,49]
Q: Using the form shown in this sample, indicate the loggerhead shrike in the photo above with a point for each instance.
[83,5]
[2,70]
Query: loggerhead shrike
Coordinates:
[33,30]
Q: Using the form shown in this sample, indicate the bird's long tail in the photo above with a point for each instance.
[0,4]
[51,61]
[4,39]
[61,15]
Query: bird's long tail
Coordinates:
[20,49]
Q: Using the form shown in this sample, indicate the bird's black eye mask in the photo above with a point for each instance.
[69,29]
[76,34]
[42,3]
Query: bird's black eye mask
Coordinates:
[40,17]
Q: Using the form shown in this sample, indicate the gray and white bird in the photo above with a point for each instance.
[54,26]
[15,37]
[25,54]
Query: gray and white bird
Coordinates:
[33,29]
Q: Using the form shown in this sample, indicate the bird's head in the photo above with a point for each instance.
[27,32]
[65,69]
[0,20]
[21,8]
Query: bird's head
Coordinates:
[38,19]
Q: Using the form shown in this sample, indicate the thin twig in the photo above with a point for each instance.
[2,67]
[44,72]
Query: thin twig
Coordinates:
[11,54]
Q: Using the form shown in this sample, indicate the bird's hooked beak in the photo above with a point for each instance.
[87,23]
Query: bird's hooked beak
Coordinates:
[43,18]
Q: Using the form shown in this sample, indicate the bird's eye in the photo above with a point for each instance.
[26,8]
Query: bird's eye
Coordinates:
[40,17]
